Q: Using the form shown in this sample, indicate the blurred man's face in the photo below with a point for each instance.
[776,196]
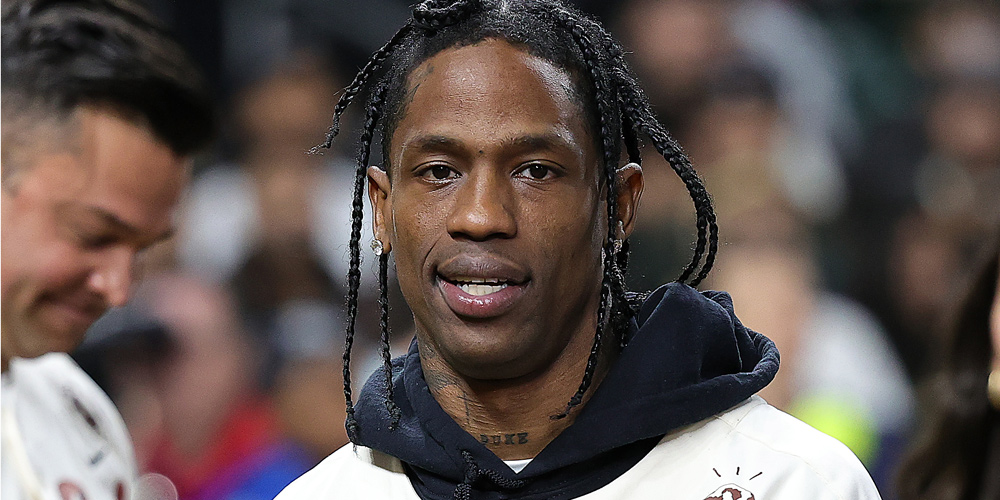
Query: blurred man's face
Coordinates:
[494,213]
[75,217]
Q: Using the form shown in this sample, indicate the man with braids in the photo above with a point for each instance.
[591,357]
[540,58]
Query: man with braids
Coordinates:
[101,113]
[505,203]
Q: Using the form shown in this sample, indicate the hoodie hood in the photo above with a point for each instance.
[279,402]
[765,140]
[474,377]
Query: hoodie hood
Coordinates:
[688,357]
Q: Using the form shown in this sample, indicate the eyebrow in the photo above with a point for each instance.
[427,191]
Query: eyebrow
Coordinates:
[547,141]
[434,142]
[120,225]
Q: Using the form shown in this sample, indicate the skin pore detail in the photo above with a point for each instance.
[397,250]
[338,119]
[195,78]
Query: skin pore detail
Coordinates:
[490,153]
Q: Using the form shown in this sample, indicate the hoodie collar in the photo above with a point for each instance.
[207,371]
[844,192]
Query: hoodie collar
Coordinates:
[688,358]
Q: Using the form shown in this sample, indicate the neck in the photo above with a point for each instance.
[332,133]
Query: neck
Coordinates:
[513,417]
[5,351]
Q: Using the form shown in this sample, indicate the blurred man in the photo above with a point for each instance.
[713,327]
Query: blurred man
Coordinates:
[101,112]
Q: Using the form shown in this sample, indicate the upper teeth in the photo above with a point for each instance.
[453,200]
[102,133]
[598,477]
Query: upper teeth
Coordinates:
[481,286]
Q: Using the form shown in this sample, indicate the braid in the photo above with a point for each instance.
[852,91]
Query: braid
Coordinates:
[636,117]
[672,152]
[354,274]
[713,239]
[639,115]
[433,15]
[428,15]
[602,96]
[628,303]
[352,90]
[383,302]
[353,284]
[631,138]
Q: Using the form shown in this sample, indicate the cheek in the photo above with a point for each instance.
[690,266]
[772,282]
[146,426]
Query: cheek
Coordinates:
[570,258]
[35,256]
[53,269]
[415,228]
[59,265]
[576,238]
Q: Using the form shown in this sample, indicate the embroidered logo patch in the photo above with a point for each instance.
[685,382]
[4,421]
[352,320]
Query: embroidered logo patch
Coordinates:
[731,492]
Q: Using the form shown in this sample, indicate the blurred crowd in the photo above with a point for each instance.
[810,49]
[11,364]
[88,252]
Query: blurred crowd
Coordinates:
[852,149]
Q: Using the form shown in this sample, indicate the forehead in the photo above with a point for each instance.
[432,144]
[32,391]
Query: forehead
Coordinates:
[490,89]
[114,166]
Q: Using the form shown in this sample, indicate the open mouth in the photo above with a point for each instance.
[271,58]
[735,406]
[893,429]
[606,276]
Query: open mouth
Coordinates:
[481,285]
[480,297]
[478,287]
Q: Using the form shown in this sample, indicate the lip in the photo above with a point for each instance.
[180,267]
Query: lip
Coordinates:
[480,306]
[481,265]
[80,315]
[465,267]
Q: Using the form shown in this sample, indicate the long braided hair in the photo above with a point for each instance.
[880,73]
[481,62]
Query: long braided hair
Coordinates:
[616,110]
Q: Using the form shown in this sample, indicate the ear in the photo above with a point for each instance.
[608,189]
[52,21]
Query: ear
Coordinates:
[378,194]
[630,190]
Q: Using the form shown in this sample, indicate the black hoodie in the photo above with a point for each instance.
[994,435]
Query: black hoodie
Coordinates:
[688,358]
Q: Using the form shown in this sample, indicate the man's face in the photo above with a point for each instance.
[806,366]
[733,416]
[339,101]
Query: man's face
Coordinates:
[74,219]
[494,213]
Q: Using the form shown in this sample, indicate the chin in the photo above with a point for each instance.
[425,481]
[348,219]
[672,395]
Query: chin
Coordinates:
[41,346]
[36,337]
[58,338]
[498,357]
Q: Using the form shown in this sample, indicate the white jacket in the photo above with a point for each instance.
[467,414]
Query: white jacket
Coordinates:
[62,437]
[750,452]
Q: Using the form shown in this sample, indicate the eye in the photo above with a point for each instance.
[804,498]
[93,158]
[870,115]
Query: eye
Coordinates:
[94,240]
[439,172]
[536,171]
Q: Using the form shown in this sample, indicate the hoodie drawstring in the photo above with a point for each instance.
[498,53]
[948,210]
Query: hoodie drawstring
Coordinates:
[472,474]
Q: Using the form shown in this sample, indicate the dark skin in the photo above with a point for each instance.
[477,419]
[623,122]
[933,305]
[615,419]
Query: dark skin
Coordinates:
[496,190]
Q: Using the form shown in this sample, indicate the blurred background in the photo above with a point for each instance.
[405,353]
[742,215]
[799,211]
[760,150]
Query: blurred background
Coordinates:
[852,148]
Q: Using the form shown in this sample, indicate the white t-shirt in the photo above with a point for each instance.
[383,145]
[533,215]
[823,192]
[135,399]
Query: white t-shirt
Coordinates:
[518,465]
[754,450]
[62,437]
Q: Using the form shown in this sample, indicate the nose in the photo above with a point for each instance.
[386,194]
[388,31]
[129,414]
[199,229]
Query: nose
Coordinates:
[484,208]
[112,276]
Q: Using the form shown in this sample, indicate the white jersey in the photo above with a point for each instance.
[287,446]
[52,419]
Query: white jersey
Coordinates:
[62,437]
[753,451]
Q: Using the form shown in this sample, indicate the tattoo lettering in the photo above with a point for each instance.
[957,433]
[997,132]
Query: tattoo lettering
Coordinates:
[504,439]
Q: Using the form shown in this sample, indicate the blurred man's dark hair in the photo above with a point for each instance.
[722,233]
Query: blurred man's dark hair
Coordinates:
[104,53]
